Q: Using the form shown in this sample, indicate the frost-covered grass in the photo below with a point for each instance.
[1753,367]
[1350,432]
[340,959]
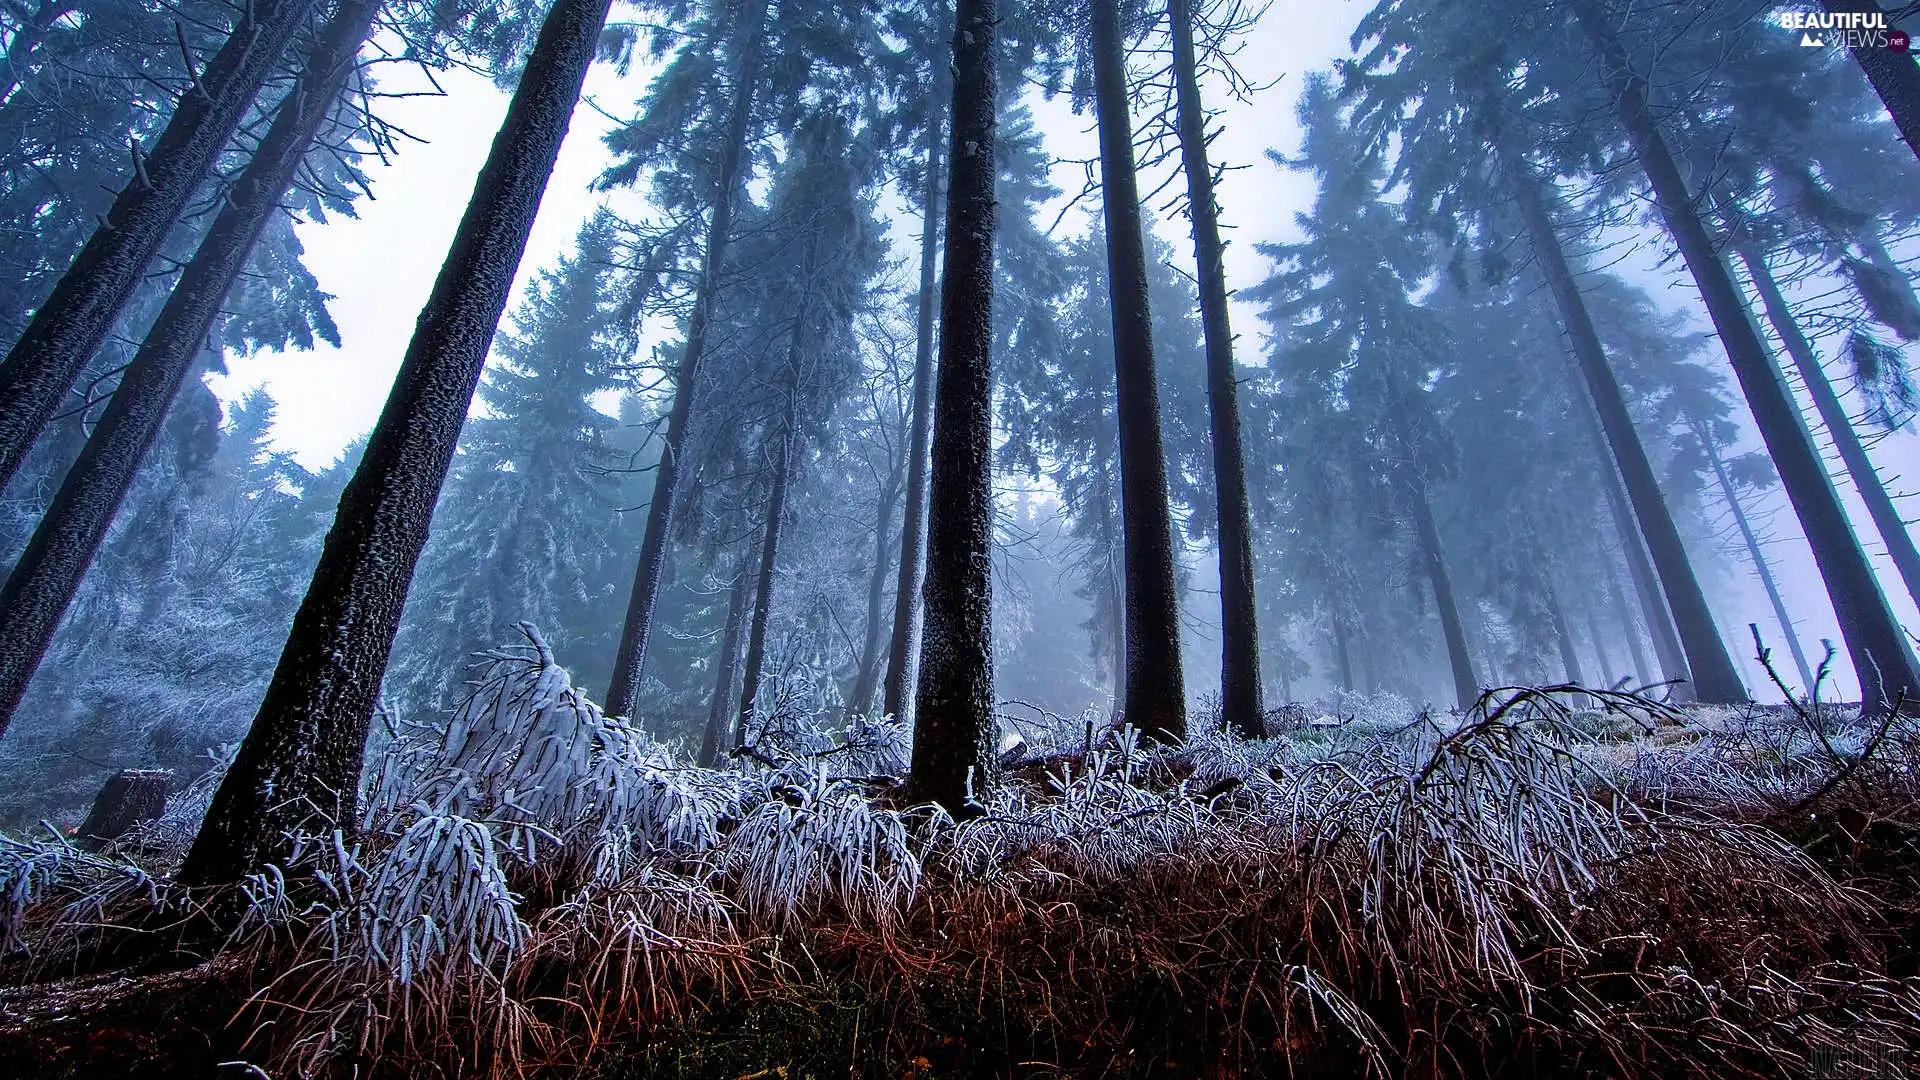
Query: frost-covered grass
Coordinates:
[1555,883]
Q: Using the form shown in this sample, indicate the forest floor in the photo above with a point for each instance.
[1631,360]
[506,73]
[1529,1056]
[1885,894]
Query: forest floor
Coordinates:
[1552,885]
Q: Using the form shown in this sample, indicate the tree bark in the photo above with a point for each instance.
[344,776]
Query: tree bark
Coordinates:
[720,706]
[631,655]
[869,670]
[897,695]
[1882,661]
[1466,687]
[128,798]
[76,317]
[1646,584]
[1240,692]
[1632,633]
[1343,653]
[48,574]
[1563,637]
[1608,676]
[1714,680]
[763,589]
[1759,557]
[955,730]
[303,756]
[1894,75]
[1866,479]
[1155,699]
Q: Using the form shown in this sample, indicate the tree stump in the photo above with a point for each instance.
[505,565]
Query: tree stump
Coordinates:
[129,798]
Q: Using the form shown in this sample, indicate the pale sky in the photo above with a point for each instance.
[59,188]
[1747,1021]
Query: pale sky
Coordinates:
[381,267]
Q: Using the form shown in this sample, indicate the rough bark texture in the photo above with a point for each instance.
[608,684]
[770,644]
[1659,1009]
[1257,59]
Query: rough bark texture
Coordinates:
[1881,659]
[897,695]
[1759,559]
[1894,75]
[1155,700]
[128,798]
[954,725]
[1833,414]
[763,588]
[631,656]
[1240,702]
[48,573]
[69,327]
[727,669]
[1711,670]
[304,753]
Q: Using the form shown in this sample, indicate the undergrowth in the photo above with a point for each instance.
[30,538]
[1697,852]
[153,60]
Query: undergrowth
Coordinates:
[1559,882]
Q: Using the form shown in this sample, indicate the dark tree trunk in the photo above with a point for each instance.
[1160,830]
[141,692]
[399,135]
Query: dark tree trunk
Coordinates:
[1608,676]
[954,726]
[631,656]
[1240,703]
[727,669]
[1646,585]
[1881,659]
[303,756]
[897,695]
[1155,699]
[48,573]
[1641,668]
[76,317]
[1343,653]
[868,678]
[1563,637]
[763,587]
[1711,670]
[1894,75]
[1758,556]
[130,797]
[1466,687]
[1866,479]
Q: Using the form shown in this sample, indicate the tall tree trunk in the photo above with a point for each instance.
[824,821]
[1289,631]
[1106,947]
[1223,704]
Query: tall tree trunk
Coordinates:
[1240,703]
[1894,75]
[1641,668]
[1608,676]
[46,577]
[76,317]
[897,694]
[1646,584]
[727,669]
[869,672]
[1563,637]
[1466,688]
[954,726]
[304,753]
[631,655]
[1155,699]
[1343,653]
[1711,670]
[1757,555]
[1881,659]
[763,589]
[1866,479]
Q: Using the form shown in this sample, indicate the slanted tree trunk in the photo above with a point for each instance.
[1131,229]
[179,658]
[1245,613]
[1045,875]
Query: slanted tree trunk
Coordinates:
[128,798]
[1608,676]
[1641,668]
[304,753]
[1240,703]
[1563,637]
[1155,698]
[868,678]
[631,655]
[897,695]
[1882,661]
[1894,75]
[48,574]
[727,669]
[1711,670]
[1758,556]
[1646,584]
[1866,479]
[763,588]
[68,328]
[955,731]
[1466,687]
